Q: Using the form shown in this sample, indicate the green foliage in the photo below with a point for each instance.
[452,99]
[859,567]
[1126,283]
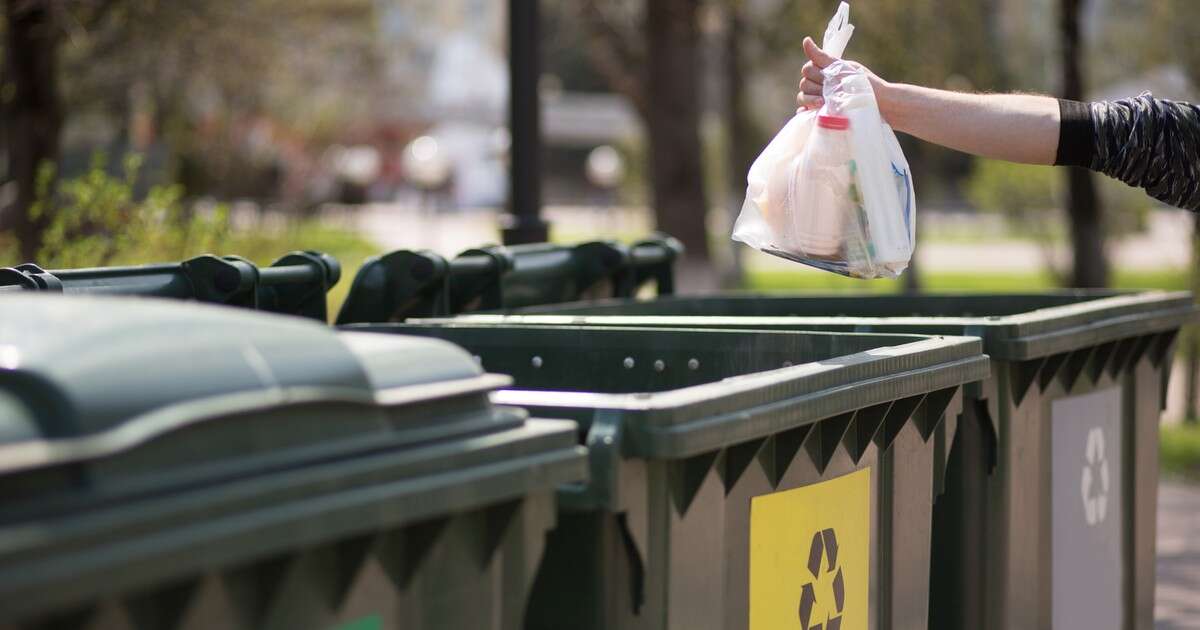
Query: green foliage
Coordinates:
[1025,195]
[633,188]
[1126,209]
[98,220]
[717,147]
[1168,33]
[1029,198]
[914,41]
[1179,447]
[228,87]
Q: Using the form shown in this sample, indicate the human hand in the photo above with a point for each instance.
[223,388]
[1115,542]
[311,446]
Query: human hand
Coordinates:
[809,96]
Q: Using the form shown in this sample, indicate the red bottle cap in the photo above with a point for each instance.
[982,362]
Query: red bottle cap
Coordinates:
[833,122]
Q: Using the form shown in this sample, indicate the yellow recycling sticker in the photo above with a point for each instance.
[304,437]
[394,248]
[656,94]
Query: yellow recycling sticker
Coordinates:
[810,556]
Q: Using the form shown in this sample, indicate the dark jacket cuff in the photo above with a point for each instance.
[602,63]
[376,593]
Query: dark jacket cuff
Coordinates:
[1076,134]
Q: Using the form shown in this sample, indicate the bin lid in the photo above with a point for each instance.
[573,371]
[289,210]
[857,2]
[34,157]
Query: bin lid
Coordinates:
[141,393]
[73,366]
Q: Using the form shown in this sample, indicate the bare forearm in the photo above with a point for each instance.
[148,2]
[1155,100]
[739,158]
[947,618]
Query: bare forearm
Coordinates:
[1146,142]
[1014,127]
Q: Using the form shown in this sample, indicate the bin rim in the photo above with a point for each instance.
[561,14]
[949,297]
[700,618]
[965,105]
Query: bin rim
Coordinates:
[1029,335]
[677,423]
[699,418]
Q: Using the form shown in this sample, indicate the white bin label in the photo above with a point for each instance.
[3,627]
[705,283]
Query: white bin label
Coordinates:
[1087,519]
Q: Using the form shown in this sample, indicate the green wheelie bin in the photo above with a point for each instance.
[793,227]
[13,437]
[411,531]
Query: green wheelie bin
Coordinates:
[174,466]
[1048,520]
[738,479]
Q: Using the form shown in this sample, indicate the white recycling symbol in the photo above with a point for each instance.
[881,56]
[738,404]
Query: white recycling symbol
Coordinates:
[1095,491]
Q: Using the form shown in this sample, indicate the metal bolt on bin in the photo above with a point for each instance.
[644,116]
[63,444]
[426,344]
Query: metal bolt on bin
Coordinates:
[295,284]
[404,284]
[738,479]
[177,467]
[1048,520]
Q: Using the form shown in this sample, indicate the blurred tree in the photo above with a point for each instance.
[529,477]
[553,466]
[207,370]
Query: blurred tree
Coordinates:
[649,53]
[673,105]
[1025,196]
[928,42]
[562,54]
[1171,35]
[1185,32]
[1191,337]
[195,66]
[745,136]
[1090,265]
[1156,33]
[209,69]
[31,104]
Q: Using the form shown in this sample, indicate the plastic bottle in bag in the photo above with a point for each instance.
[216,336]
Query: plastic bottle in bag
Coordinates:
[822,183]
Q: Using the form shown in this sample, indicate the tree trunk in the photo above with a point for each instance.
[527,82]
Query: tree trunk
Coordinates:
[1083,204]
[743,135]
[673,108]
[32,114]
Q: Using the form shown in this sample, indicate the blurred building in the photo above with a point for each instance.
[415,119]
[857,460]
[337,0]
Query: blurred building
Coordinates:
[458,50]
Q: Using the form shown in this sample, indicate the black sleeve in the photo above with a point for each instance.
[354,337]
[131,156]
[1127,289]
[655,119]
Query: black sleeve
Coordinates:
[1076,138]
[1145,142]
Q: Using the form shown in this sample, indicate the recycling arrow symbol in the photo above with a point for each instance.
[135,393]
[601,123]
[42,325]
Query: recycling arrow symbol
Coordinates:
[824,547]
[1094,483]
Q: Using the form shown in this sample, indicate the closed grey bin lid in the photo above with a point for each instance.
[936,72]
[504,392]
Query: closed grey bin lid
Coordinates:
[79,366]
[160,427]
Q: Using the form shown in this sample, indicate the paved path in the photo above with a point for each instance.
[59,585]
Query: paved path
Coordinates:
[1178,597]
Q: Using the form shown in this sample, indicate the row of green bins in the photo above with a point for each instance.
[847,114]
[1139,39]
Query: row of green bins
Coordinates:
[738,479]
[295,284]
[1048,520]
[167,466]
[403,284]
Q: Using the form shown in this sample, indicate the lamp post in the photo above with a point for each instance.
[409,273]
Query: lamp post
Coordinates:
[524,222]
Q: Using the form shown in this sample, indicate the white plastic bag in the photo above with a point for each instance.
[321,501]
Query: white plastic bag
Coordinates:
[832,189]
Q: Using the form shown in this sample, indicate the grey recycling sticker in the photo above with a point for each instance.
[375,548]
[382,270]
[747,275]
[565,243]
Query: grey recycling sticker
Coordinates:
[824,547]
[1093,485]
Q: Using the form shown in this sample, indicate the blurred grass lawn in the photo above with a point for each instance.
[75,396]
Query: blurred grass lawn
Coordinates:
[1168,279]
[1180,450]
